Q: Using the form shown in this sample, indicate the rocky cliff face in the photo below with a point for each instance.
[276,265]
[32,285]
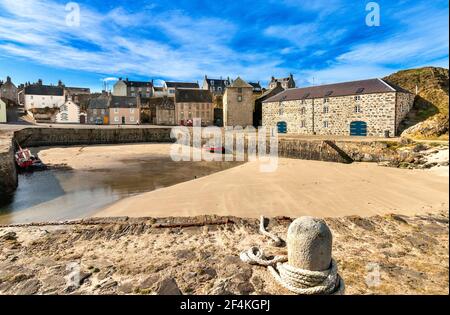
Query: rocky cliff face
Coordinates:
[429,117]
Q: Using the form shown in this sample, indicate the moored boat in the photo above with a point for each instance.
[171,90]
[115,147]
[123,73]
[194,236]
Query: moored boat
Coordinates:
[25,160]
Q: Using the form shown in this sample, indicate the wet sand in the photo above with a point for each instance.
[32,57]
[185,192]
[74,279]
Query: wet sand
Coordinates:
[297,188]
[82,180]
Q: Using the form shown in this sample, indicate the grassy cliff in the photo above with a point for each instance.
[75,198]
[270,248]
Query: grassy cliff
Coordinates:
[429,116]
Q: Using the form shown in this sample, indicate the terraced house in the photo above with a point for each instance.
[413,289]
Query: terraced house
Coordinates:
[360,108]
[193,104]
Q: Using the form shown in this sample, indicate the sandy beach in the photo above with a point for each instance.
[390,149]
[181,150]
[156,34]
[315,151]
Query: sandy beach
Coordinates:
[297,188]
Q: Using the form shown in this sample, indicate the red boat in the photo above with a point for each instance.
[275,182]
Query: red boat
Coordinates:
[26,160]
[213,149]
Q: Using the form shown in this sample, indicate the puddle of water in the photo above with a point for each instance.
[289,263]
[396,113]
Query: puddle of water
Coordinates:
[57,194]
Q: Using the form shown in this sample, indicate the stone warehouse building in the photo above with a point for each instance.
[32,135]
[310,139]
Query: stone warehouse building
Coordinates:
[238,104]
[360,108]
[191,104]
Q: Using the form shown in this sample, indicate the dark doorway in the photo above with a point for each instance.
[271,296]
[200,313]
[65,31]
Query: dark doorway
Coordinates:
[123,120]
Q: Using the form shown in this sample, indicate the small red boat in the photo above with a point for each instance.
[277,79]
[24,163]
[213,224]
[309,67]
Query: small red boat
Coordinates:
[26,160]
[213,149]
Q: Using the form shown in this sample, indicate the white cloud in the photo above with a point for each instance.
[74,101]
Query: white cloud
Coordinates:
[193,47]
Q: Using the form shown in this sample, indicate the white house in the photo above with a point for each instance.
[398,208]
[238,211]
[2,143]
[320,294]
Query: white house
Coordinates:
[68,113]
[2,111]
[39,96]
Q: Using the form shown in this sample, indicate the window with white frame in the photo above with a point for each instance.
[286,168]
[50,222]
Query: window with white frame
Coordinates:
[131,118]
[303,124]
[116,110]
[357,98]
[281,109]
[239,98]
[357,108]
[325,124]
[116,119]
[131,110]
[326,109]
[302,111]
[326,100]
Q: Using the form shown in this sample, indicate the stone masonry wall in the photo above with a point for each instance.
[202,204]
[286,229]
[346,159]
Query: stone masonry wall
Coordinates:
[235,112]
[405,102]
[377,110]
[33,137]
[8,173]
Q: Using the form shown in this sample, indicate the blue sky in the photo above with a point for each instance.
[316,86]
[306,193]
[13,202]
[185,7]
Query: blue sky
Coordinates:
[319,41]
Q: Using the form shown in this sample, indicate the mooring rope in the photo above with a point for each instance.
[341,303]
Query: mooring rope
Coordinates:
[299,281]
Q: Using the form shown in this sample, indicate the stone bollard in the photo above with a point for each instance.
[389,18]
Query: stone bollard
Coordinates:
[309,268]
[309,243]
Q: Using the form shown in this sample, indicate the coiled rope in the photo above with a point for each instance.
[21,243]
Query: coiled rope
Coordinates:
[299,281]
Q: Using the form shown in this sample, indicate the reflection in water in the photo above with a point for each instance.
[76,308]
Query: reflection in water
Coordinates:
[57,195]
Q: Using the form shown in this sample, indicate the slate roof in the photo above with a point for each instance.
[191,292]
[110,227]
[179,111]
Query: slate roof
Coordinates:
[255,85]
[239,83]
[123,102]
[332,90]
[163,102]
[72,89]
[98,103]
[185,85]
[38,89]
[193,96]
[269,93]
[218,82]
[138,83]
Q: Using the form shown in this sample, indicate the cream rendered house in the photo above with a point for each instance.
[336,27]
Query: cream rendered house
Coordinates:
[69,113]
[2,111]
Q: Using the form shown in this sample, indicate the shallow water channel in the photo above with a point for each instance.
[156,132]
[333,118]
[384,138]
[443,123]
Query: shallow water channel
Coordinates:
[59,194]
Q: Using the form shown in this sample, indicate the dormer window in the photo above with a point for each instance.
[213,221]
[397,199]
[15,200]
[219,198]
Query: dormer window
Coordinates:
[357,98]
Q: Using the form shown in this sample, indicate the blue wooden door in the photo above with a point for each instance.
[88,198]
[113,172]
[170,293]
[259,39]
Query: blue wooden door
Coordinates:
[358,128]
[282,127]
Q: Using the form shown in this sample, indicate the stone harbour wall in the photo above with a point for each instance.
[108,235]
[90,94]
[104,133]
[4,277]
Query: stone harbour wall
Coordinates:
[8,172]
[34,137]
